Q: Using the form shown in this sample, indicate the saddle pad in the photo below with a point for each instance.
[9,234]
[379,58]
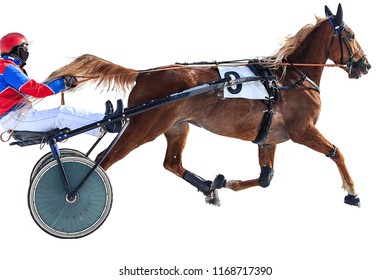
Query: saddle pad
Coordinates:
[249,90]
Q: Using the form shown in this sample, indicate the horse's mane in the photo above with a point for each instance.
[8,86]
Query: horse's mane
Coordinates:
[99,71]
[291,42]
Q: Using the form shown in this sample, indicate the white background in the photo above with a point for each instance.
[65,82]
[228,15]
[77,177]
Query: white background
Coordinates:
[299,225]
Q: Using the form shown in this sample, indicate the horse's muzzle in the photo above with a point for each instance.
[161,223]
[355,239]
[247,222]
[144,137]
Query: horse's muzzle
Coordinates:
[358,68]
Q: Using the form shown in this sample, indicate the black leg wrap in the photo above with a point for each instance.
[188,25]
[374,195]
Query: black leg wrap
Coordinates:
[265,176]
[333,153]
[352,200]
[208,188]
[198,182]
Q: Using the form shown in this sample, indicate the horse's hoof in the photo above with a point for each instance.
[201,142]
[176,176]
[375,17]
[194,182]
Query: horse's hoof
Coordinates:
[265,176]
[213,198]
[352,200]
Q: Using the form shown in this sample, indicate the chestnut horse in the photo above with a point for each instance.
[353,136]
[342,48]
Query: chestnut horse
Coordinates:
[298,66]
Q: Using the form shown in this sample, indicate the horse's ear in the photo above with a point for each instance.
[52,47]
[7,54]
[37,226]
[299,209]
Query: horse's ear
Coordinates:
[339,16]
[328,12]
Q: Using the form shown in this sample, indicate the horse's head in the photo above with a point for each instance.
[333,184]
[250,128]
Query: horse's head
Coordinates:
[348,51]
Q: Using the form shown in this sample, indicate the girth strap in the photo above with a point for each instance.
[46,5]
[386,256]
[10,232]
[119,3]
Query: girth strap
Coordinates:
[269,83]
[264,128]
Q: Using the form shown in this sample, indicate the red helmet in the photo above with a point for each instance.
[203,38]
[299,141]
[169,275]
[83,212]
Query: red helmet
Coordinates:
[11,40]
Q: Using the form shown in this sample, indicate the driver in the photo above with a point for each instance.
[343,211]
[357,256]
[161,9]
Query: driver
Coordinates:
[17,90]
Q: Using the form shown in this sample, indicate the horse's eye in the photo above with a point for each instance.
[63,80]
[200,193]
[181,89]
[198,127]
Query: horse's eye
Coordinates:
[351,36]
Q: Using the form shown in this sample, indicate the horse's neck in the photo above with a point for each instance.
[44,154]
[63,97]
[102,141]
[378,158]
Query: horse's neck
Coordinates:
[314,51]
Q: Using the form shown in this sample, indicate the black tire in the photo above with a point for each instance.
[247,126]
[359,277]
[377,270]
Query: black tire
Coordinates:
[49,157]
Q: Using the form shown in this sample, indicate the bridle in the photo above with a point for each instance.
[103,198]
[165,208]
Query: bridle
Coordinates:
[338,31]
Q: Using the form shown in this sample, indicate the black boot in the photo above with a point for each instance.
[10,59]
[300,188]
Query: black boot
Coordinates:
[113,126]
[109,108]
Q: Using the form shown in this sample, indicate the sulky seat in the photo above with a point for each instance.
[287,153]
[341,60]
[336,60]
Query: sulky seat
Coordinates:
[27,138]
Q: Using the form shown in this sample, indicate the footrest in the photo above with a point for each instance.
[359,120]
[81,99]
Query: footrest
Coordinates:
[28,138]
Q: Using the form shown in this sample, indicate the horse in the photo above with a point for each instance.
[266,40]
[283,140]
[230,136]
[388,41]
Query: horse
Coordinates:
[298,66]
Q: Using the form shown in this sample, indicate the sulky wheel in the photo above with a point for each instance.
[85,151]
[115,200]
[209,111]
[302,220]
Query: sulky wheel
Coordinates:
[49,157]
[57,214]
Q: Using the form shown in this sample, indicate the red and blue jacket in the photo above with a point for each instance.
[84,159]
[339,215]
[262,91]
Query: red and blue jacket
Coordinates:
[16,86]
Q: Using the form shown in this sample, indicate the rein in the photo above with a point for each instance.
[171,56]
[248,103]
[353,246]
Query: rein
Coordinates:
[242,62]
[236,63]
[6,138]
[203,64]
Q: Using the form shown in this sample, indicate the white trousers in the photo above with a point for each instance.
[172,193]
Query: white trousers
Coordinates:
[45,120]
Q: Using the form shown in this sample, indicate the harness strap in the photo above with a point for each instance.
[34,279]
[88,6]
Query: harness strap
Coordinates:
[294,85]
[273,93]
[265,125]
[317,88]
[300,81]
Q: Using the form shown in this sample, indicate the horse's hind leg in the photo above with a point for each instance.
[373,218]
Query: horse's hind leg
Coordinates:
[176,139]
[266,161]
[314,140]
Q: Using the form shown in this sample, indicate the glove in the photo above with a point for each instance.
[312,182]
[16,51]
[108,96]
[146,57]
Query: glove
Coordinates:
[69,81]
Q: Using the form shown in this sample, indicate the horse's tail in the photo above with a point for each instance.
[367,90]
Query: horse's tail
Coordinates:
[101,72]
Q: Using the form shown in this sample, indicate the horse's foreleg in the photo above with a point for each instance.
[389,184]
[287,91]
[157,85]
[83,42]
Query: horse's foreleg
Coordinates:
[266,161]
[176,140]
[314,140]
